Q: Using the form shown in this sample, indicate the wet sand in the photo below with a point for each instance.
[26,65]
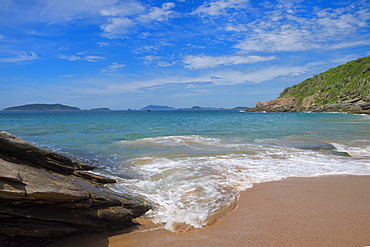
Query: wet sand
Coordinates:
[319,211]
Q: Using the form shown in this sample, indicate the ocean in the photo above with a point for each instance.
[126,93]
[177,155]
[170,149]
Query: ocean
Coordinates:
[191,165]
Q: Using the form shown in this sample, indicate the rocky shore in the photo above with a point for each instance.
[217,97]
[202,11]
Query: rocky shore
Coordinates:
[355,105]
[45,196]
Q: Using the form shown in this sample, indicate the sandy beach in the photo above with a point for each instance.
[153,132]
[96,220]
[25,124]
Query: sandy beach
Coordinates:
[319,211]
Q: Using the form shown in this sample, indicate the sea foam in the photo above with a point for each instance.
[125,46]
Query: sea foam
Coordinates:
[197,189]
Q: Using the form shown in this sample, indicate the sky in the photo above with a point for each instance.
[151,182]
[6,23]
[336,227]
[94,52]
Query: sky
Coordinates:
[126,54]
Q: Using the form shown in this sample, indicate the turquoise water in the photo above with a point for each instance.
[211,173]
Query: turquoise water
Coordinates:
[191,165]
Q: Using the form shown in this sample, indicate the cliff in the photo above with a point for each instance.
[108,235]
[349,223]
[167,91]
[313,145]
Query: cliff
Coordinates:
[345,88]
[45,196]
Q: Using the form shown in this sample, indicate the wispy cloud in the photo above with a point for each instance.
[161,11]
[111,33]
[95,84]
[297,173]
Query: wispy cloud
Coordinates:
[112,68]
[122,21]
[102,44]
[67,76]
[202,62]
[157,61]
[350,44]
[81,56]
[117,27]
[123,8]
[283,38]
[215,8]
[23,56]
[287,27]
[118,84]
[157,14]
[53,12]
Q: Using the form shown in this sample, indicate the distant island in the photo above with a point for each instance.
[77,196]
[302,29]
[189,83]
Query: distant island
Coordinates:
[200,108]
[42,107]
[194,108]
[157,107]
[49,107]
[100,109]
[345,88]
[60,107]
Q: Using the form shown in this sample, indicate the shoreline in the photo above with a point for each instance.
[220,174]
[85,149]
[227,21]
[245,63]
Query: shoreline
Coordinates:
[331,210]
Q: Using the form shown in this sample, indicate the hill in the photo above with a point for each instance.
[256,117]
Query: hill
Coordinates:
[345,88]
[42,107]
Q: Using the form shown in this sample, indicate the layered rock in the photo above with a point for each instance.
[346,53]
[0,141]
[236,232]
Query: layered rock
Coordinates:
[44,195]
[360,105]
[287,104]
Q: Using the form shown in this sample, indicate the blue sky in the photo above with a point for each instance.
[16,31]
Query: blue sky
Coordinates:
[181,53]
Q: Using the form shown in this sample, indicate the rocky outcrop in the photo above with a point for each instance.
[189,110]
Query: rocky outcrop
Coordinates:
[44,196]
[286,104]
[345,88]
[359,105]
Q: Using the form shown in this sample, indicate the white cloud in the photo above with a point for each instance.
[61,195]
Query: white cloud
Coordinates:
[157,14]
[114,67]
[287,27]
[215,8]
[115,17]
[102,44]
[122,21]
[146,48]
[156,60]
[23,56]
[117,27]
[80,56]
[236,28]
[201,62]
[58,11]
[286,38]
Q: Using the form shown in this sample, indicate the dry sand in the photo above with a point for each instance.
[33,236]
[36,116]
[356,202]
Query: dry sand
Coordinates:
[319,211]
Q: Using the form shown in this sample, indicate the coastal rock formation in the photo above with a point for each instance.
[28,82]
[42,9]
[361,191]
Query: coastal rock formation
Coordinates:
[345,88]
[287,104]
[293,104]
[45,196]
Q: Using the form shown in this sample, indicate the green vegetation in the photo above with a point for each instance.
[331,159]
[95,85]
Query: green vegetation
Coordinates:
[347,81]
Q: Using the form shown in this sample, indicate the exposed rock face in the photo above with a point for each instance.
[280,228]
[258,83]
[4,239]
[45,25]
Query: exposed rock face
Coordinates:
[44,195]
[359,105]
[286,104]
